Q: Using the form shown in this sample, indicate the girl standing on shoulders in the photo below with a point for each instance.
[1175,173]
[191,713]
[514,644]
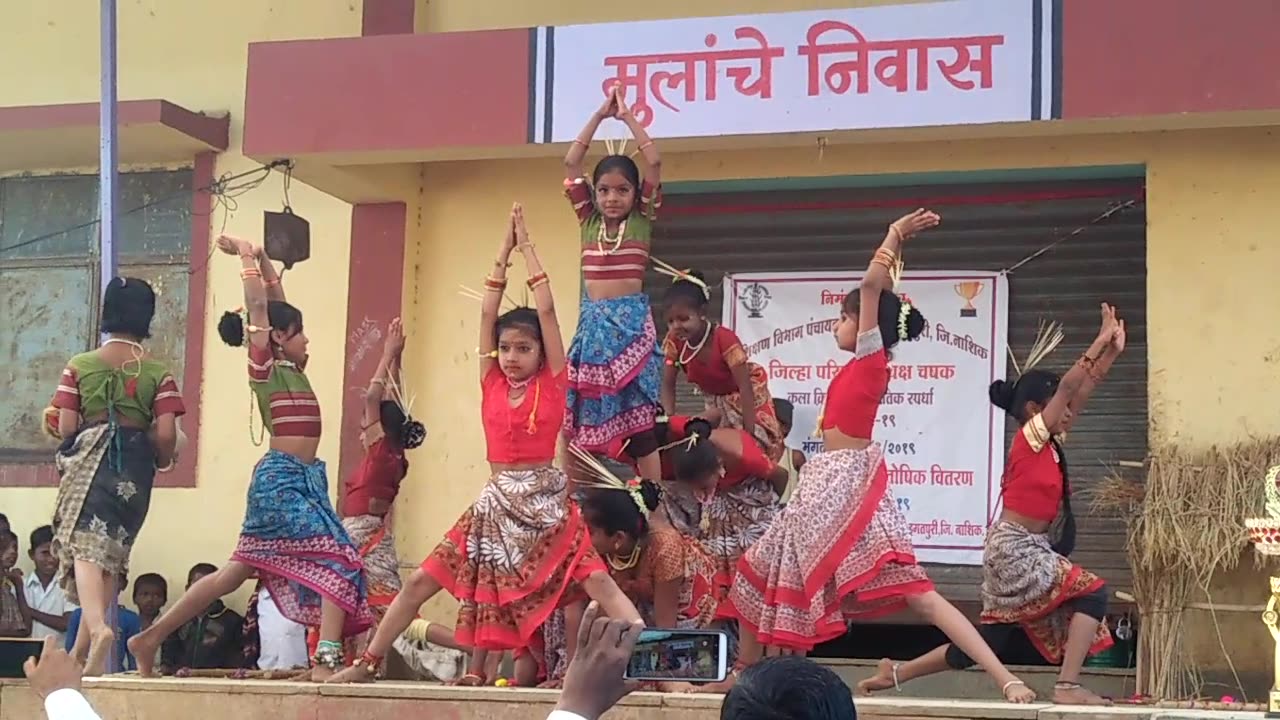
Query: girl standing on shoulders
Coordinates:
[117,411]
[512,557]
[614,365]
[713,359]
[841,549]
[1027,579]
[291,537]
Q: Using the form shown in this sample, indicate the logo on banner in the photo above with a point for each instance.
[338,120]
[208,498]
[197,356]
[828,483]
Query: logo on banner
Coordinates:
[968,291]
[754,298]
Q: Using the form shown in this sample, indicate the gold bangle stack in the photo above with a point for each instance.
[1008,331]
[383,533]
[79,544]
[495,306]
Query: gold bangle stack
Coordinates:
[885,258]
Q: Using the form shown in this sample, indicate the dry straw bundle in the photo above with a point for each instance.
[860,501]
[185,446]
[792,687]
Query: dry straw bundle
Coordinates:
[1185,523]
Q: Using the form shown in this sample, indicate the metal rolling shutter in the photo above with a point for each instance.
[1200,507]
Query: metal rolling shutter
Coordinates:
[985,227]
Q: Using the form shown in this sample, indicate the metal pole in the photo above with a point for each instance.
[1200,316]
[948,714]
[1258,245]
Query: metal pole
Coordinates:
[108,195]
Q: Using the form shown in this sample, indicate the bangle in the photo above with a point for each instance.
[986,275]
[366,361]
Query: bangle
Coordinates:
[493,283]
[378,381]
[580,141]
[247,273]
[645,146]
[500,264]
[271,283]
[893,228]
[536,280]
[169,467]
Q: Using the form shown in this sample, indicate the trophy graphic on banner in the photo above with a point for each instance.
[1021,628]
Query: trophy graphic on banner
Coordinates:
[1264,533]
[967,291]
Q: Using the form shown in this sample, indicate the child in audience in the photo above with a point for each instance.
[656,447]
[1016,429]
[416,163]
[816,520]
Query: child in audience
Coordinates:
[15,616]
[150,593]
[127,625]
[211,640]
[792,459]
[50,609]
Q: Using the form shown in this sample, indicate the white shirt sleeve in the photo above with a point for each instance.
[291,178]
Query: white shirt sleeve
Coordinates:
[67,704]
[555,715]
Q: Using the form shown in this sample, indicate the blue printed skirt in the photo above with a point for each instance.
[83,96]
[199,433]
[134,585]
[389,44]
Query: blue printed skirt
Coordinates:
[295,540]
[615,372]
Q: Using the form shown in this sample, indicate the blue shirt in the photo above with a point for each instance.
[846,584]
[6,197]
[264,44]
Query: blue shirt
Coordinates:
[128,624]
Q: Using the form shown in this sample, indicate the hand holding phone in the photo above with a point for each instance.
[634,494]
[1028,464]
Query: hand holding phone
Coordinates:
[594,680]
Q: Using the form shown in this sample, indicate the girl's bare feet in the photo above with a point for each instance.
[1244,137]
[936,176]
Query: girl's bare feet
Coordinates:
[550,685]
[1016,691]
[676,687]
[144,653]
[886,678]
[470,680]
[99,645]
[1073,693]
[353,674]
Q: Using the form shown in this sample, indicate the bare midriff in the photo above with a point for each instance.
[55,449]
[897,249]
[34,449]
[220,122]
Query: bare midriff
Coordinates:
[303,448]
[605,289]
[1032,525]
[833,439]
[496,468]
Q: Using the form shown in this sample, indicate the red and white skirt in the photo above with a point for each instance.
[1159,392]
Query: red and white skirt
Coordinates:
[839,550]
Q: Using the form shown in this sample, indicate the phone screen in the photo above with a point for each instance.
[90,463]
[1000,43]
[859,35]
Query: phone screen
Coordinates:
[680,656]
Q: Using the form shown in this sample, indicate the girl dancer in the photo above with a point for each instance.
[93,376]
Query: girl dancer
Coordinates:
[713,359]
[614,365]
[1027,579]
[291,537]
[511,557]
[117,413]
[386,431]
[841,548]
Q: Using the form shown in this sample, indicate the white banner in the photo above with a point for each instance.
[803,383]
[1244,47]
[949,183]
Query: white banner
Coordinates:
[957,62]
[942,437]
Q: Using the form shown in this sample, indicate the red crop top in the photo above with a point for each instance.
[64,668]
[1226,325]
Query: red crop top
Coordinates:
[753,463]
[1032,483]
[378,476]
[713,376]
[853,398]
[527,433]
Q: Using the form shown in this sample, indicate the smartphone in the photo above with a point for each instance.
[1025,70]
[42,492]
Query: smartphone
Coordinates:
[692,656]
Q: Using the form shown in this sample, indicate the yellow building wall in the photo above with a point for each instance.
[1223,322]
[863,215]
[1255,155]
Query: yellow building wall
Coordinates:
[1211,340]
[195,54]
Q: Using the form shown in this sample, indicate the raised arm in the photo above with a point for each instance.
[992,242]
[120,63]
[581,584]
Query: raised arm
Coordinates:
[578,148]
[1084,374]
[1112,350]
[271,279]
[494,285]
[552,343]
[255,294]
[651,165]
[879,276]
[388,367]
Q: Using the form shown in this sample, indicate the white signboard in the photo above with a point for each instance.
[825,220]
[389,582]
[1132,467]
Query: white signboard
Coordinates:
[942,437]
[943,63]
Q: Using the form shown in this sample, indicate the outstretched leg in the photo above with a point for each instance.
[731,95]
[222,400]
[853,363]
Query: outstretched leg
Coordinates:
[943,615]
[199,597]
[419,588]
[1089,612]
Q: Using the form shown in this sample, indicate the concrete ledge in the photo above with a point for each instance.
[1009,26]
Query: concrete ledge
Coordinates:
[165,699]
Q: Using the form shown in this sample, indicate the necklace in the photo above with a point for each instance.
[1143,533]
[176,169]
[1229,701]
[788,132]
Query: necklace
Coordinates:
[519,384]
[121,341]
[705,523]
[131,367]
[625,563]
[603,234]
[706,335]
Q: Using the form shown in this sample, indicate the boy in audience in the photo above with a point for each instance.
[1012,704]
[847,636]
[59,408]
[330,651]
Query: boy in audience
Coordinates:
[15,616]
[50,609]
[150,593]
[128,624]
[212,640]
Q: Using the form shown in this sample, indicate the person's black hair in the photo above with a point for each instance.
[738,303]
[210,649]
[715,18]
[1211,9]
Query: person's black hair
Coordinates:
[785,411]
[42,535]
[788,687]
[687,292]
[890,308]
[620,164]
[4,519]
[202,569]
[1039,386]
[151,579]
[128,305]
[615,511]
[8,537]
[524,318]
[698,459]
[281,315]
[402,430]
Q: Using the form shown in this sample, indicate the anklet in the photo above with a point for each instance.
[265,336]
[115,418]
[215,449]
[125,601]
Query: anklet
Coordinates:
[328,655]
[370,662]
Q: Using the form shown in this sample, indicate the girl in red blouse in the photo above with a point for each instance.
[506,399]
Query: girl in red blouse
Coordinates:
[841,549]
[713,359]
[521,550]
[1027,580]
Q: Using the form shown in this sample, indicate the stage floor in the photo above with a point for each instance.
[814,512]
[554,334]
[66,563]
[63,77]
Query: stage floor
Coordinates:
[117,698]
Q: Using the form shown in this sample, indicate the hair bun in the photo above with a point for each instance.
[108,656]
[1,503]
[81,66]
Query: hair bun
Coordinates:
[699,428]
[1001,394]
[231,329]
[915,324]
[651,494]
